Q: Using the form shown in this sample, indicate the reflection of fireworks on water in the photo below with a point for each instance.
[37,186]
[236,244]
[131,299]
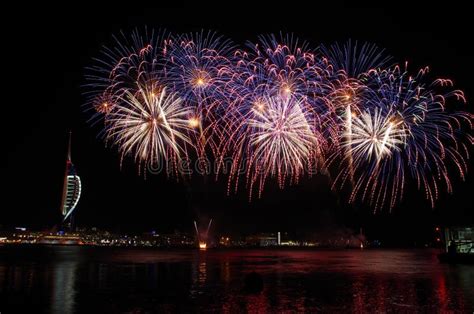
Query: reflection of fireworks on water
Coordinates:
[278,108]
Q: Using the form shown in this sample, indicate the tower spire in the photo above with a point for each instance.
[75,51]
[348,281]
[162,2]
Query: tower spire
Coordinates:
[69,147]
[72,186]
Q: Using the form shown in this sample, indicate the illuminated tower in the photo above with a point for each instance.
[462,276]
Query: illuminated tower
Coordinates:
[71,188]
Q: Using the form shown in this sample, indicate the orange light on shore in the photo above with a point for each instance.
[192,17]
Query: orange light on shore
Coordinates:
[202,245]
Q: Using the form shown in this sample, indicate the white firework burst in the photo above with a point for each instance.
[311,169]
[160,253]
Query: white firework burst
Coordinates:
[281,139]
[151,125]
[374,135]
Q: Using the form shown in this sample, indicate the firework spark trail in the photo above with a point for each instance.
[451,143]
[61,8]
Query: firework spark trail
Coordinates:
[434,132]
[351,61]
[373,140]
[196,67]
[411,133]
[134,59]
[276,84]
[281,110]
[355,59]
[280,141]
[154,128]
[374,135]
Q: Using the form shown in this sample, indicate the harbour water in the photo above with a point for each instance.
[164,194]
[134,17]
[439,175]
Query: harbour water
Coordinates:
[75,279]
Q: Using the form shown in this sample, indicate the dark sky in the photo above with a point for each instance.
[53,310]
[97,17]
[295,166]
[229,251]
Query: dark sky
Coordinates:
[47,49]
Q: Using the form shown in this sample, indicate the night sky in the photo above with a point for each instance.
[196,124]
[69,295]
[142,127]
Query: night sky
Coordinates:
[47,50]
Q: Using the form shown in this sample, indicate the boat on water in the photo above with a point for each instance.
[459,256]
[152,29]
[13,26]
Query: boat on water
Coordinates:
[459,246]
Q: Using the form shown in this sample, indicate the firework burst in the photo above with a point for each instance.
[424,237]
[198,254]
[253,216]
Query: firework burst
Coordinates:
[197,69]
[354,59]
[277,109]
[375,135]
[196,66]
[278,142]
[414,136]
[371,148]
[275,83]
[152,126]
[134,60]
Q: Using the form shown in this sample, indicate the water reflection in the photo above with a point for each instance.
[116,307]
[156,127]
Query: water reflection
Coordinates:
[78,279]
[63,290]
[202,273]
